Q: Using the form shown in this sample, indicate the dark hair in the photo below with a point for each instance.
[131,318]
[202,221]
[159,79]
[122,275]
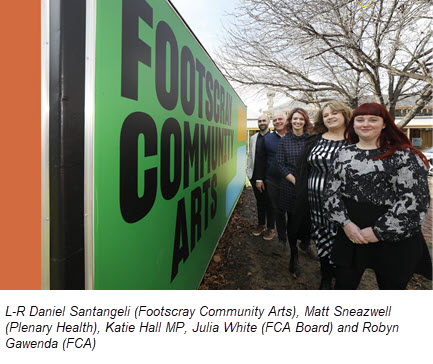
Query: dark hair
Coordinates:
[334,105]
[307,125]
[391,138]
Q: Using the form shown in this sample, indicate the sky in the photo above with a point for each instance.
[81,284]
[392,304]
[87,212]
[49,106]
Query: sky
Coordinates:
[206,19]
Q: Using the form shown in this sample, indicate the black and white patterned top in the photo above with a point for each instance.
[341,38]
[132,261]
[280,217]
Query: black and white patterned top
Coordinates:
[398,182]
[323,232]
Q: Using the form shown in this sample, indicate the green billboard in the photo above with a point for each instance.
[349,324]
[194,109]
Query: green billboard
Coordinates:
[168,143]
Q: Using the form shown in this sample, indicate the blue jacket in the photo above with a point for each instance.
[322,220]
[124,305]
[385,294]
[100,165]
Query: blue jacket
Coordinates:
[266,158]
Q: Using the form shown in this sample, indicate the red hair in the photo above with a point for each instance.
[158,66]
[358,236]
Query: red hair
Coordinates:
[391,138]
[307,125]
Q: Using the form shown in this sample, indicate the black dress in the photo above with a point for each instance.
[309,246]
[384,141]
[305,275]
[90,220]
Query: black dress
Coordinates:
[287,154]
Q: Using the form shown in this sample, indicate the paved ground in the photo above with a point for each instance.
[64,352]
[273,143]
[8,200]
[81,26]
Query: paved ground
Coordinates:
[243,261]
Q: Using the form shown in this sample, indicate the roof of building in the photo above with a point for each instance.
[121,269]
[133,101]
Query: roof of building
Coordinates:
[291,104]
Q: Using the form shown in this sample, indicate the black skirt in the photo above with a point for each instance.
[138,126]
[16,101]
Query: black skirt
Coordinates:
[405,257]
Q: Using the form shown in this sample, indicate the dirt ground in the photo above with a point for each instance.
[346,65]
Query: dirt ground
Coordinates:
[244,261]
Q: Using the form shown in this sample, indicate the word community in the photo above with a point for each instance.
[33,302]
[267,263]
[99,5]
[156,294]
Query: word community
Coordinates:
[189,312]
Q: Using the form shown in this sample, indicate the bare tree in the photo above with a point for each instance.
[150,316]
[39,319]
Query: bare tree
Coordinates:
[312,51]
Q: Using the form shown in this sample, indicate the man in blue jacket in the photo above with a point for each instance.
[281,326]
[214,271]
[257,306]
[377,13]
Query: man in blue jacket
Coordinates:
[269,175]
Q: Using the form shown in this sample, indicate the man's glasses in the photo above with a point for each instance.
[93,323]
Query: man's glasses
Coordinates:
[262,120]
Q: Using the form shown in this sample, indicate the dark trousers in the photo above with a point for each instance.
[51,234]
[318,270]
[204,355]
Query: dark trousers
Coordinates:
[273,189]
[265,214]
[349,278]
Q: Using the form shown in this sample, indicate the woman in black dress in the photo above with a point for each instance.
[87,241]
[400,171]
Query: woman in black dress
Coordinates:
[312,172]
[378,195]
[289,148]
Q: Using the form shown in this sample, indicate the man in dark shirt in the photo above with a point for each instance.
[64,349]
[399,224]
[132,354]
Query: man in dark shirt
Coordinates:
[264,209]
[269,175]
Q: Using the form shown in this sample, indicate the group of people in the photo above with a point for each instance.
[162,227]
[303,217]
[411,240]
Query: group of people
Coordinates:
[350,187]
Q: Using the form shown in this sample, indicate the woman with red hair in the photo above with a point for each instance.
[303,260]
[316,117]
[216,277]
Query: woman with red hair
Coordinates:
[289,149]
[378,194]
